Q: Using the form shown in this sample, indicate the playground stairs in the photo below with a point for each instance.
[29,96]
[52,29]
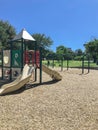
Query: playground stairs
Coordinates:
[53,74]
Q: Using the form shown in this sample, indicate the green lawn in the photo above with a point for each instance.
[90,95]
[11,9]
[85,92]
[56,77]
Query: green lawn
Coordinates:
[71,63]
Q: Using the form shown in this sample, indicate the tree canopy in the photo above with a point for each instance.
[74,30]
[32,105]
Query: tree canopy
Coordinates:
[42,41]
[64,52]
[92,48]
[7,32]
[61,49]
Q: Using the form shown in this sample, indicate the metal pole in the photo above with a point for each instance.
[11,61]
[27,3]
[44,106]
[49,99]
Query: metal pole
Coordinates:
[40,65]
[83,64]
[35,60]
[2,64]
[88,64]
[22,54]
[62,65]
[67,64]
[11,60]
[53,64]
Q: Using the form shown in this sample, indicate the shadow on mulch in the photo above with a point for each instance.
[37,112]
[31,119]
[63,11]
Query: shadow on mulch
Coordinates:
[30,86]
[2,82]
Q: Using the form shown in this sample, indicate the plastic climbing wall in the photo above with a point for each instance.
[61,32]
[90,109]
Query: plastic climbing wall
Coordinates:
[11,64]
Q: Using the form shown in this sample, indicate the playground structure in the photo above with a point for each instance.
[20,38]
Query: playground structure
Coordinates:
[12,71]
[19,82]
[28,59]
[25,77]
[13,62]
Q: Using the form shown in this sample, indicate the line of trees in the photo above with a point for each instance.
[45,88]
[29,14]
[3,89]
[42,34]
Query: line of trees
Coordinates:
[7,32]
[65,53]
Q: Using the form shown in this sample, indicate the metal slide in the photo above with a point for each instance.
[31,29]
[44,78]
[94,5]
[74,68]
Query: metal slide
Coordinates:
[53,74]
[19,82]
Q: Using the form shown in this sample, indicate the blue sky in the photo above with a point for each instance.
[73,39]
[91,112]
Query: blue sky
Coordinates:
[71,23]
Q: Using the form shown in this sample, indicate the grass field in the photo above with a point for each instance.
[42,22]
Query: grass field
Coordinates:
[71,63]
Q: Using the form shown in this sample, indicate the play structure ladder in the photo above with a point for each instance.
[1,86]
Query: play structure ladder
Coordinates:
[53,74]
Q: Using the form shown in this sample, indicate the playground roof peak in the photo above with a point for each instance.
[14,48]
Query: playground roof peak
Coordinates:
[23,34]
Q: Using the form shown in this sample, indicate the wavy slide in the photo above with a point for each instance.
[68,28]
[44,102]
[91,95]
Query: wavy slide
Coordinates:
[25,77]
[19,82]
[53,74]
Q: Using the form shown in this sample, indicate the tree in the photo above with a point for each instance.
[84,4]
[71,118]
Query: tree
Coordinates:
[78,52]
[51,55]
[7,32]
[70,54]
[61,51]
[92,48]
[64,52]
[42,41]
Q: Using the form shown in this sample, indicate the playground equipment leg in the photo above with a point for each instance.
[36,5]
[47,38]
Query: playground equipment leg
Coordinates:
[83,65]
[62,65]
[67,64]
[88,65]
[40,65]
[35,61]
